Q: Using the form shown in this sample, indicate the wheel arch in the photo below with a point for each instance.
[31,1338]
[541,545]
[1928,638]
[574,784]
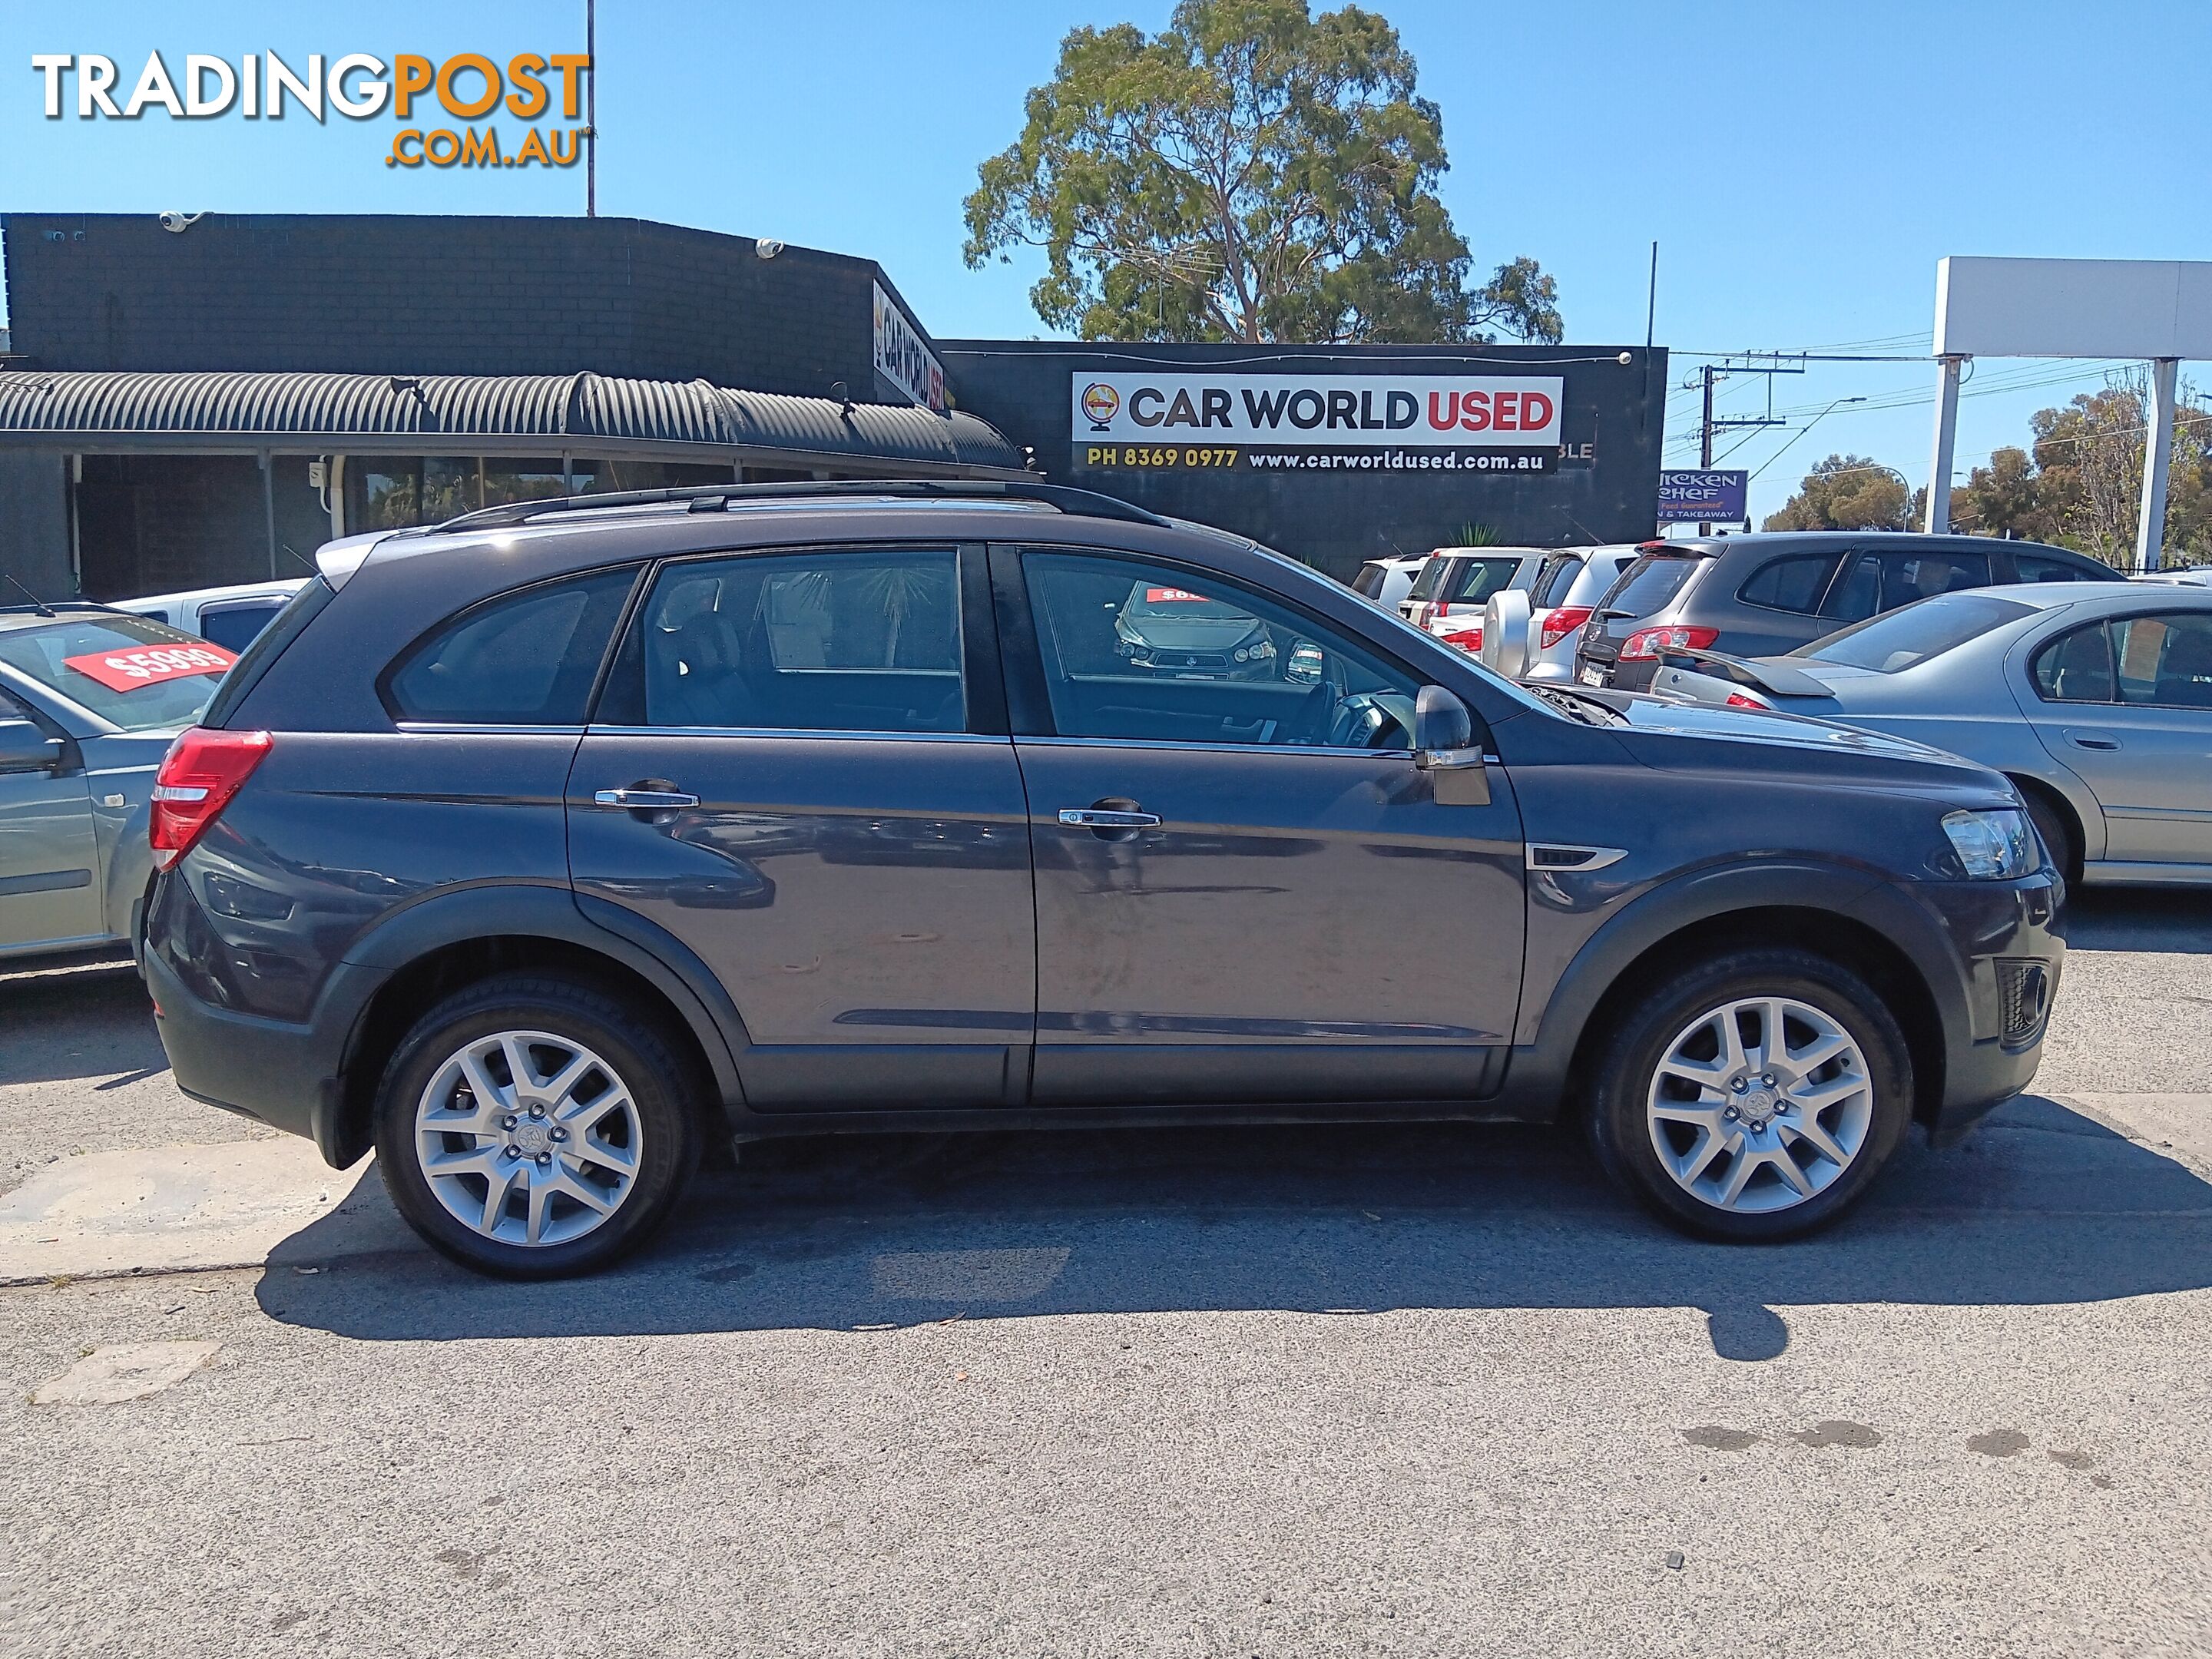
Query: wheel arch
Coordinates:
[397,973]
[2057,799]
[1862,922]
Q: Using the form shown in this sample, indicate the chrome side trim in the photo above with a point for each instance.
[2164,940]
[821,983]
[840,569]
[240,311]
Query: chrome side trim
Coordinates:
[1212,748]
[788,732]
[1558,858]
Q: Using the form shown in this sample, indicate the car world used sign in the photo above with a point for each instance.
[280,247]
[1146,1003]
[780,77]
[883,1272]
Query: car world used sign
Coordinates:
[1317,422]
[1706,497]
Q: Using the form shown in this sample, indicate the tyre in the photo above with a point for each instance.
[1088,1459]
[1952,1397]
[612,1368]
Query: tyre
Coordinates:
[533,1127]
[2059,837]
[1753,1097]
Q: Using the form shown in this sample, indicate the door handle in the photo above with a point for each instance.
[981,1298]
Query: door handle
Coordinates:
[1095,817]
[644,800]
[2093,740]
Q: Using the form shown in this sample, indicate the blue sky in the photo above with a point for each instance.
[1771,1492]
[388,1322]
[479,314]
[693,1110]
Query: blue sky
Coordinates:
[1803,166]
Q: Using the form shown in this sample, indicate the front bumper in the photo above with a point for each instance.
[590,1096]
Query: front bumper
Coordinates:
[2007,944]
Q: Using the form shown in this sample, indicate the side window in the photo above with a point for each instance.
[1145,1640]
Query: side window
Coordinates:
[2075,667]
[526,658]
[864,641]
[1858,594]
[233,627]
[1792,584]
[1909,577]
[1151,653]
[2037,570]
[2165,660]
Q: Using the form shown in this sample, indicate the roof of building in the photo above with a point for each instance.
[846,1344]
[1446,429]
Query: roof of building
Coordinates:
[497,414]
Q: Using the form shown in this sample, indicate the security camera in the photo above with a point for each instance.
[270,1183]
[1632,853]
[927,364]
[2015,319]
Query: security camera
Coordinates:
[179,223]
[767,247]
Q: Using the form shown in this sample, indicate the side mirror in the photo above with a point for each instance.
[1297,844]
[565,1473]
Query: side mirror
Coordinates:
[24,748]
[1444,748]
[1441,722]
[1505,633]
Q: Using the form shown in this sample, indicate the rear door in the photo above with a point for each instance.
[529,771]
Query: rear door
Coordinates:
[1245,890]
[49,858]
[800,768]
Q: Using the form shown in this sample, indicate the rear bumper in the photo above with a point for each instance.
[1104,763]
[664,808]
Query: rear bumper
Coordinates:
[269,1070]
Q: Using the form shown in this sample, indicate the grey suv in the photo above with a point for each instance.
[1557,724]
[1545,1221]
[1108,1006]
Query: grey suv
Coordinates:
[1763,595]
[537,849]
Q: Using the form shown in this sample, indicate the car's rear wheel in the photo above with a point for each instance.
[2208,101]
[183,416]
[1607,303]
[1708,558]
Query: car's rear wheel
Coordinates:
[534,1126]
[1753,1097]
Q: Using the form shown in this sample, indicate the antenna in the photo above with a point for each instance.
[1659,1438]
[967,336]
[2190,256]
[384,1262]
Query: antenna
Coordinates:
[37,603]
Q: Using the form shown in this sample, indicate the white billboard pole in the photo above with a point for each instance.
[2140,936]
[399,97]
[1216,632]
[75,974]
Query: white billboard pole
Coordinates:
[2150,523]
[1935,519]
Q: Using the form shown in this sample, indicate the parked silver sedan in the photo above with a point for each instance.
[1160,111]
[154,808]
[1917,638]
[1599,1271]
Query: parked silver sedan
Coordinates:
[2095,700]
[90,700]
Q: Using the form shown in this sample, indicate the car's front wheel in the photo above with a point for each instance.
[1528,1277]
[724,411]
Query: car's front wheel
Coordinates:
[1753,1097]
[534,1126]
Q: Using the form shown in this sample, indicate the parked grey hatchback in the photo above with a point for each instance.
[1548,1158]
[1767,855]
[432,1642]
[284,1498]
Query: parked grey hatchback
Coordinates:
[539,848]
[1761,595]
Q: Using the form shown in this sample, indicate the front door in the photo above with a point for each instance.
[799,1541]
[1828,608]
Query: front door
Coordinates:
[792,773]
[50,890]
[2127,706]
[1245,890]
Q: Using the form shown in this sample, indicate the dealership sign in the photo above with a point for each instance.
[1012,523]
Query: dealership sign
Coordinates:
[1704,497]
[903,359]
[1317,422]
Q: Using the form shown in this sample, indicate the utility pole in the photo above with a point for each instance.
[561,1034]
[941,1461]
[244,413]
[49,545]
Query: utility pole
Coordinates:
[592,109]
[1705,437]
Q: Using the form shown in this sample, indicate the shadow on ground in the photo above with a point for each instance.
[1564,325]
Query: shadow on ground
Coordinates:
[87,1018]
[2139,919]
[2045,1206]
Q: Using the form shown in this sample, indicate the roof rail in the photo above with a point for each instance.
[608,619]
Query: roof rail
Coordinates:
[714,498]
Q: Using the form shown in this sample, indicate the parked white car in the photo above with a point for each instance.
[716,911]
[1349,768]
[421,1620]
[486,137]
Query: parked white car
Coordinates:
[1387,582]
[1566,594]
[1447,598]
[230,617]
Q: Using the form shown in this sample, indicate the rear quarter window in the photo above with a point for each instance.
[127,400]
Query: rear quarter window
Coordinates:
[1792,584]
[527,657]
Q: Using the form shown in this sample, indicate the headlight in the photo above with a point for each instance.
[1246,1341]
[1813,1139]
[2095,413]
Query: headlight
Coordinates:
[1992,846]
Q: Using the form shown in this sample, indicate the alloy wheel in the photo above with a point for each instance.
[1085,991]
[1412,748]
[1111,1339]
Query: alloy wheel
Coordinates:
[1759,1104]
[528,1138]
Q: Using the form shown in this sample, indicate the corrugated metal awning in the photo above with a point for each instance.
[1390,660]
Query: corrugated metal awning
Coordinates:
[583,414]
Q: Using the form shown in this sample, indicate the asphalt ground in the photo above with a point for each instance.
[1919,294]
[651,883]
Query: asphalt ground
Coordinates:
[1390,1390]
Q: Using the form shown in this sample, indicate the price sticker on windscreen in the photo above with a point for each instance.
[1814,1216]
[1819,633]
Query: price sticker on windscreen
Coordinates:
[1174,596]
[127,670]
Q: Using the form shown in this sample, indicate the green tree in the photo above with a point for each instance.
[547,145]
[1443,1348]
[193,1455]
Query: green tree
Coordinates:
[1252,174]
[2004,498]
[1847,492]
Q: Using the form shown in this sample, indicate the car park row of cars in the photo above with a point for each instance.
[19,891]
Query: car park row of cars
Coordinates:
[783,809]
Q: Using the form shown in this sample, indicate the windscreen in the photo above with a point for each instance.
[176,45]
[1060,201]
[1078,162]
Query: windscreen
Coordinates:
[1648,585]
[1473,580]
[1904,639]
[133,671]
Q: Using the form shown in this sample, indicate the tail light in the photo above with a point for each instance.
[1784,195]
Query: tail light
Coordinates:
[198,776]
[1646,643]
[1558,625]
[1738,699]
[1442,609]
[1465,639]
